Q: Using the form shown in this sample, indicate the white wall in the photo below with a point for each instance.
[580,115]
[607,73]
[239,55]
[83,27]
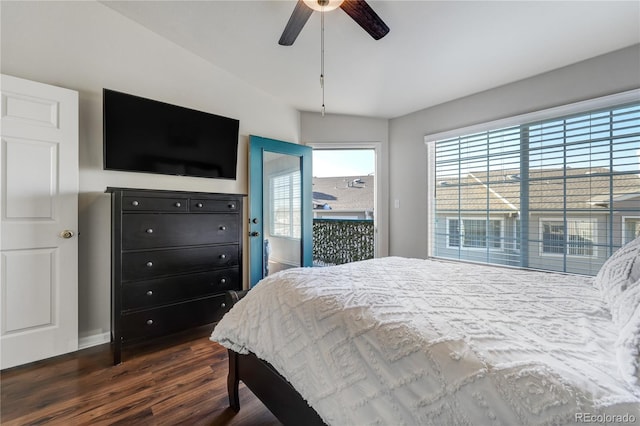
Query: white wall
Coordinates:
[86,46]
[351,131]
[604,75]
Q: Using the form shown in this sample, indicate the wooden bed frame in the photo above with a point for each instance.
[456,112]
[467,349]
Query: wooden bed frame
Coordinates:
[275,392]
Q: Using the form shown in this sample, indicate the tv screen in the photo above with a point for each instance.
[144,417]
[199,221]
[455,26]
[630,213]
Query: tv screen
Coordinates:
[143,135]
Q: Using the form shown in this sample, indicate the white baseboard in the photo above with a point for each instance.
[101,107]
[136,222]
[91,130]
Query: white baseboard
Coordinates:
[93,340]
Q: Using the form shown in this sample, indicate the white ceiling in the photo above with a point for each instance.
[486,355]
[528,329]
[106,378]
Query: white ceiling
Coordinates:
[436,51]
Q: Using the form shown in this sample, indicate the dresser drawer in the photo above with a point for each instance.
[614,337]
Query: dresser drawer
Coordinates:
[142,231]
[197,205]
[169,204]
[155,263]
[172,318]
[150,293]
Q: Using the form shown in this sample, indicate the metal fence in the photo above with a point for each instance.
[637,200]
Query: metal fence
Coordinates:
[338,241]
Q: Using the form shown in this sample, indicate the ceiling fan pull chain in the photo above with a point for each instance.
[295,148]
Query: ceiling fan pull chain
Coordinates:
[322,58]
[358,10]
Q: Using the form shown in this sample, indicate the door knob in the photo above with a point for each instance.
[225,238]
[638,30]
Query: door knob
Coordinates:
[66,234]
[254,234]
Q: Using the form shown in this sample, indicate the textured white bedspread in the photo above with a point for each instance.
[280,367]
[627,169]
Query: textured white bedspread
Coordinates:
[397,341]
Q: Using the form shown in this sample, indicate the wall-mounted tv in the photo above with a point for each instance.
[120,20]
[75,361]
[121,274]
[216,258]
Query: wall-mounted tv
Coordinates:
[143,135]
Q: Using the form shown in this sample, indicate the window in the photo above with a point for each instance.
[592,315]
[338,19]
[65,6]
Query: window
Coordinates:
[630,228]
[563,191]
[578,240]
[285,205]
[453,233]
[474,233]
[516,235]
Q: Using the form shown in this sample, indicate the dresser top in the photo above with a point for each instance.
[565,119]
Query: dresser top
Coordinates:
[151,192]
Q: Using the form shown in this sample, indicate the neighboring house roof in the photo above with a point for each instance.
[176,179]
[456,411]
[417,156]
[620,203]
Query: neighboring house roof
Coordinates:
[585,188]
[343,192]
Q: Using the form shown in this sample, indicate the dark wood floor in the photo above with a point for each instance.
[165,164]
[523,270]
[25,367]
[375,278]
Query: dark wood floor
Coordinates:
[181,380]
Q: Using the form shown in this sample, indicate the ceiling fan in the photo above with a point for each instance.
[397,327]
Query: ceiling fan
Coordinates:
[358,10]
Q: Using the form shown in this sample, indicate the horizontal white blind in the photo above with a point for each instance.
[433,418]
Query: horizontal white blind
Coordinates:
[286,212]
[561,194]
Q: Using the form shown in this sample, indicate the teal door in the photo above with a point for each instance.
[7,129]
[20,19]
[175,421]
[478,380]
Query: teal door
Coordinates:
[280,207]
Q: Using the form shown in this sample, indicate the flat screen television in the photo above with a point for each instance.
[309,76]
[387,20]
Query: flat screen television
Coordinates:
[143,135]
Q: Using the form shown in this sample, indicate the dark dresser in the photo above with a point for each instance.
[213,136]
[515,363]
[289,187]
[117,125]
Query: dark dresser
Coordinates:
[174,254]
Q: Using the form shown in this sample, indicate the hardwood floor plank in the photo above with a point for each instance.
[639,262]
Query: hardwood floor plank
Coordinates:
[178,380]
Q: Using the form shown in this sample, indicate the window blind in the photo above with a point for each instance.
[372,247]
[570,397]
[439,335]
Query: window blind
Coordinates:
[559,194]
[286,209]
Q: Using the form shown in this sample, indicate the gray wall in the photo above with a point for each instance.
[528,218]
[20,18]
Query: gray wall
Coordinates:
[615,72]
[86,46]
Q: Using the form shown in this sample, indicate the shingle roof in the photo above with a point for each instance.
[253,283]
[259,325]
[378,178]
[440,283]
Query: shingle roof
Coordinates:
[585,188]
[344,192]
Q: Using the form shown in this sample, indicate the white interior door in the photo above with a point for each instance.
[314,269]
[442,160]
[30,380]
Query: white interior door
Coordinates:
[39,216]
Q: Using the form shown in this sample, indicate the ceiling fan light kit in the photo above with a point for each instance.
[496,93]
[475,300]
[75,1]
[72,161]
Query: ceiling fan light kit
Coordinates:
[323,5]
[358,10]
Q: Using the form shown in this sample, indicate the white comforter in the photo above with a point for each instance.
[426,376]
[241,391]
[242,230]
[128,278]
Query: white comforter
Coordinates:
[398,341]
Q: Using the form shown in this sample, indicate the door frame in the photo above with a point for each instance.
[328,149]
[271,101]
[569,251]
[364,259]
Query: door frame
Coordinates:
[380,239]
[257,146]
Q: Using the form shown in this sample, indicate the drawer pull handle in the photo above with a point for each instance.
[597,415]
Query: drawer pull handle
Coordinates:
[223,305]
[223,256]
[149,293]
[178,204]
[150,231]
[149,264]
[223,281]
[149,322]
[134,203]
[199,205]
[232,206]
[223,228]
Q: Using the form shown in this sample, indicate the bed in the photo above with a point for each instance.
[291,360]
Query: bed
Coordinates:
[398,341]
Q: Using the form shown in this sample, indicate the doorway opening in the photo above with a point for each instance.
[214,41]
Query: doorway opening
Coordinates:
[344,205]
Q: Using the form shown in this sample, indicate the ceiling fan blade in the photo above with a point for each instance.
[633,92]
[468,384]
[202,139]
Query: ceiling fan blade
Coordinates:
[298,18]
[369,20]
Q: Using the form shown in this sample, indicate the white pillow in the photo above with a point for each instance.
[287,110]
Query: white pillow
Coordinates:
[618,278]
[619,281]
[628,350]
